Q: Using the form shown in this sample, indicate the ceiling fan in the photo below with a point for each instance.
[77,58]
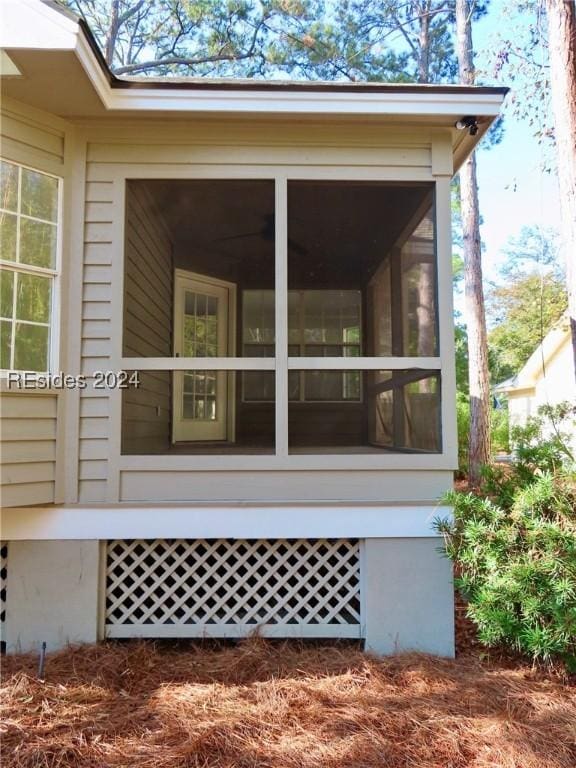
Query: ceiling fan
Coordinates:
[267,233]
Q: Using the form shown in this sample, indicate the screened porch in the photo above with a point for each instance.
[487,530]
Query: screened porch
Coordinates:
[240,316]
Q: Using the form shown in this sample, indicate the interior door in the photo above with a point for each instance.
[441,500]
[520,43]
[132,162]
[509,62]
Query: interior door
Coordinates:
[201,329]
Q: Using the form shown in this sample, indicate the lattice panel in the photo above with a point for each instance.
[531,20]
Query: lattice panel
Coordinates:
[3,580]
[228,587]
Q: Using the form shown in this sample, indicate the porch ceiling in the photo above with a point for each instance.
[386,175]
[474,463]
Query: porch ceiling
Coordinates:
[338,232]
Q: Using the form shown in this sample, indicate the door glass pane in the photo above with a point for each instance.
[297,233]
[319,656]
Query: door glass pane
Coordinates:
[31,347]
[200,391]
[200,325]
[37,243]
[8,186]
[39,195]
[8,226]
[33,298]
[6,293]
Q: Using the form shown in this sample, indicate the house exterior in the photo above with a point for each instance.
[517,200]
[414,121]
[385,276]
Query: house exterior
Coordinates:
[547,378]
[236,299]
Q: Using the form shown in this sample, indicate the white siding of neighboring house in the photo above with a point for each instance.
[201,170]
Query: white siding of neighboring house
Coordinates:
[28,420]
[553,384]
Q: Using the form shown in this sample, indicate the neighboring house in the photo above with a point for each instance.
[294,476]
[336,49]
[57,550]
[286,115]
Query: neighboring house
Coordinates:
[547,378]
[273,260]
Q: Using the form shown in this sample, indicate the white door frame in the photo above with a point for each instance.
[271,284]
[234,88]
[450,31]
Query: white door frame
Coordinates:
[181,276]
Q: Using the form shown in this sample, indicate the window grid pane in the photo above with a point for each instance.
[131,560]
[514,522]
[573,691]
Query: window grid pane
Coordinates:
[321,323]
[28,233]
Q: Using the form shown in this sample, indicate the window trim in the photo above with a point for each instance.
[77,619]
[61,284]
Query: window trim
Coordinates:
[54,274]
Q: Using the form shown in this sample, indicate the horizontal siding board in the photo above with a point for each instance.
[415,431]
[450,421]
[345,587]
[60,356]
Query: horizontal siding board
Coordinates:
[99,192]
[94,428]
[97,274]
[183,154]
[92,449]
[25,406]
[25,451]
[97,253]
[96,292]
[98,232]
[30,472]
[99,212]
[276,485]
[22,131]
[91,491]
[27,494]
[96,329]
[93,470]
[149,397]
[145,327]
[36,158]
[92,365]
[96,310]
[27,429]
[94,407]
[96,348]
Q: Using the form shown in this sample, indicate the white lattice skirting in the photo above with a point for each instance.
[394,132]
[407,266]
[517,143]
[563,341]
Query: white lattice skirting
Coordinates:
[230,588]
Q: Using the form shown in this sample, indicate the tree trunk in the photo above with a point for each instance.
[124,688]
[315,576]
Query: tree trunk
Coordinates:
[479,439]
[562,46]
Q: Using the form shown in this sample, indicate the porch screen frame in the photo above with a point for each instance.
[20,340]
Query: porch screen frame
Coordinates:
[443,364]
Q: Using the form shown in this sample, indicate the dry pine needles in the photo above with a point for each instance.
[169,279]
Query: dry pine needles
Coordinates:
[280,705]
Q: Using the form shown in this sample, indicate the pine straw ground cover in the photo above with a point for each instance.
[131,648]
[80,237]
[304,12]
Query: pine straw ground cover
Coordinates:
[281,705]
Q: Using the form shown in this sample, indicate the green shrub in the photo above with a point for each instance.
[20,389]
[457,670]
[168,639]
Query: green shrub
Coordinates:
[463,422]
[514,549]
[499,430]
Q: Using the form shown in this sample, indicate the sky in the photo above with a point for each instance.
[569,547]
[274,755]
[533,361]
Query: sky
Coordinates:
[514,190]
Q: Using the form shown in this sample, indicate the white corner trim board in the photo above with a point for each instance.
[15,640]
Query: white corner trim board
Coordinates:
[270,521]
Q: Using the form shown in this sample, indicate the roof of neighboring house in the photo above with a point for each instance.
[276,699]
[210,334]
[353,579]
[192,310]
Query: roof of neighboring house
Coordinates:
[535,366]
[55,64]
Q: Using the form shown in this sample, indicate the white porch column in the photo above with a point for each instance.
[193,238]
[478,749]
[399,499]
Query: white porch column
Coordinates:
[409,596]
[51,594]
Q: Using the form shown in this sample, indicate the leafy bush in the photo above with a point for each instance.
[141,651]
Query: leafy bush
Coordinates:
[499,430]
[463,422]
[514,549]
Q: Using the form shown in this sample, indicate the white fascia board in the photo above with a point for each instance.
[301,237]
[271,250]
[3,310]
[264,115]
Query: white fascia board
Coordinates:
[30,24]
[300,103]
[281,102]
[236,521]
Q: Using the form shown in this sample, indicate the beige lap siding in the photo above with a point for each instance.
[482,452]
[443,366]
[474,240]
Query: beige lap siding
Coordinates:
[28,425]
[25,139]
[28,449]
[96,335]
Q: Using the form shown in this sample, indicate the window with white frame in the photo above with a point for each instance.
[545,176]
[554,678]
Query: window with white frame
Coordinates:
[29,219]
[321,323]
